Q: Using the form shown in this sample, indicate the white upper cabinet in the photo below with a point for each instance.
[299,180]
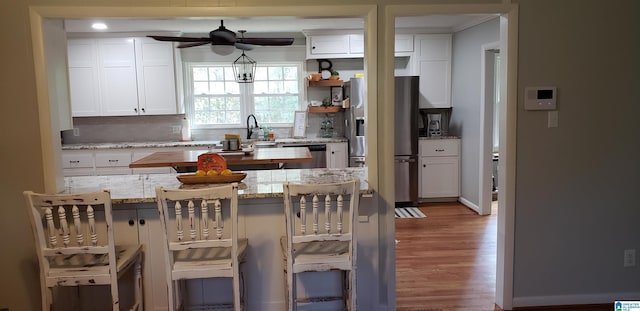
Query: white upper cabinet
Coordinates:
[356,44]
[403,44]
[121,76]
[155,70]
[118,81]
[329,46]
[83,77]
[349,45]
[433,65]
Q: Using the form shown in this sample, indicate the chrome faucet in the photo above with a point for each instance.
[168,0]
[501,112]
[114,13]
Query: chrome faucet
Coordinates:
[250,128]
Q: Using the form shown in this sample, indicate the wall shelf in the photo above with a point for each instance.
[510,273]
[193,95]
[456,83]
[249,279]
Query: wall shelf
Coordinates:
[326,83]
[323,109]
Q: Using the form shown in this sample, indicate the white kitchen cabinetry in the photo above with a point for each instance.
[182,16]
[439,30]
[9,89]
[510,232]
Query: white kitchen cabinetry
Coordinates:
[403,44]
[337,155]
[349,45]
[330,46]
[156,77]
[77,163]
[433,65]
[141,225]
[118,82]
[113,162]
[121,76]
[84,89]
[439,168]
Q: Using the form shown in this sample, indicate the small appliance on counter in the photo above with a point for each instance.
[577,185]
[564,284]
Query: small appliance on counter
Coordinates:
[435,122]
[326,128]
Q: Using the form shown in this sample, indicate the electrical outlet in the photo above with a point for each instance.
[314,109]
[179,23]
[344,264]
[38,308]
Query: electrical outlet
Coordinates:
[176,129]
[629,258]
[76,131]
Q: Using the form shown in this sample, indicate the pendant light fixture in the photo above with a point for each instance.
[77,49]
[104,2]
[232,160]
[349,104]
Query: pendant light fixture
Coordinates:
[244,67]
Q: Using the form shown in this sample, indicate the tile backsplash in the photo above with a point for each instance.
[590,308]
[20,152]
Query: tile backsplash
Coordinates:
[161,128]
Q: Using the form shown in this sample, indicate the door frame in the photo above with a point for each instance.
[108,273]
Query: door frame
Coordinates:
[508,108]
[486,126]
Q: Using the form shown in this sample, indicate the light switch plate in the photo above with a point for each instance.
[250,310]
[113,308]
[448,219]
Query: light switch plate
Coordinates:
[552,119]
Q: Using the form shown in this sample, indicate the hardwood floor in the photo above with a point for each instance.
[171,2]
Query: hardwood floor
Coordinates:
[447,261]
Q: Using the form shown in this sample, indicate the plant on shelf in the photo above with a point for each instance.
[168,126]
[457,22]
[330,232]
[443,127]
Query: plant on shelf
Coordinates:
[335,75]
[327,102]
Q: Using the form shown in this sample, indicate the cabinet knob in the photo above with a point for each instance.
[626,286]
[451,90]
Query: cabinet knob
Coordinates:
[143,110]
[142,222]
[424,165]
[131,222]
[313,47]
[135,109]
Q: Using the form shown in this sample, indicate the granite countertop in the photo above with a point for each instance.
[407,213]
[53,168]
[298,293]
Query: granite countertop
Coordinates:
[258,184]
[199,143]
[437,137]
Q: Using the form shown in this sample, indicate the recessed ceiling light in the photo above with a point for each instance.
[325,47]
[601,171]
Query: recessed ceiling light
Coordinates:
[99,26]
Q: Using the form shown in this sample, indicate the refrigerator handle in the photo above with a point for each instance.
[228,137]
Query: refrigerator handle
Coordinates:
[406,161]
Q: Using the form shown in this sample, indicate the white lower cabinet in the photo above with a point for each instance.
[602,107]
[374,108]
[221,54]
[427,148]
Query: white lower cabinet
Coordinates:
[439,168]
[113,162]
[140,224]
[77,163]
[337,155]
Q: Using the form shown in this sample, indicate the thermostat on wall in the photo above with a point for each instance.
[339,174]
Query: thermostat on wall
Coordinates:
[540,98]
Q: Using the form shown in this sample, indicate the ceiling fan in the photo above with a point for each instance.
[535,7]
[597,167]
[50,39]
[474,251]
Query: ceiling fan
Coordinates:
[225,37]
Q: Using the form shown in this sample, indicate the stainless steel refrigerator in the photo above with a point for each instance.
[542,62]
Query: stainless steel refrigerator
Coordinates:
[406,140]
[355,122]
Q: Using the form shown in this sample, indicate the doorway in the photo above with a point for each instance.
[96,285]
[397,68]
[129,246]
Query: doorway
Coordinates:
[506,120]
[489,126]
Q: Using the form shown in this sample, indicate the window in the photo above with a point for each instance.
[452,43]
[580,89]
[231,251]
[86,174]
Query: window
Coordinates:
[215,99]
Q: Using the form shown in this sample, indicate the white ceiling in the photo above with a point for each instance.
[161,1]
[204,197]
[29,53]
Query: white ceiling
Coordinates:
[195,25]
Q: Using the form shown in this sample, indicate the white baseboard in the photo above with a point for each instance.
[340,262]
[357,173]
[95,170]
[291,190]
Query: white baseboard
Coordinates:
[469,204]
[582,299]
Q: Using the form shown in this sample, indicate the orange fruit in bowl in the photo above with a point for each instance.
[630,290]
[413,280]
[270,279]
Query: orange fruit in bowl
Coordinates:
[212,173]
[201,173]
[226,172]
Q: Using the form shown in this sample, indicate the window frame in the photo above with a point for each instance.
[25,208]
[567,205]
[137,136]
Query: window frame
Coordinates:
[247,104]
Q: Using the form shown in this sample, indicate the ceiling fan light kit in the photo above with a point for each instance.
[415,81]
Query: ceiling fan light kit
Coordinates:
[222,49]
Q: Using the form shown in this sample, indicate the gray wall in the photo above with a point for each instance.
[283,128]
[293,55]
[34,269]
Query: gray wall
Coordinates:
[466,101]
[577,184]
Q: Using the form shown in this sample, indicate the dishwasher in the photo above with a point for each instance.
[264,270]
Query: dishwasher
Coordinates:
[318,153]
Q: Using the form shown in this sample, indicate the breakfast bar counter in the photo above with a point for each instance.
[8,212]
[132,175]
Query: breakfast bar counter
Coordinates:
[261,221]
[257,184]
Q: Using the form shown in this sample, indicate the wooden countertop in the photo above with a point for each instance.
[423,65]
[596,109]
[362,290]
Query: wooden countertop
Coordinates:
[258,156]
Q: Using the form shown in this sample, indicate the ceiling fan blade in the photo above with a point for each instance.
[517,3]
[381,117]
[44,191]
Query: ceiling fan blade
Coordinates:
[267,41]
[192,44]
[244,46]
[180,39]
